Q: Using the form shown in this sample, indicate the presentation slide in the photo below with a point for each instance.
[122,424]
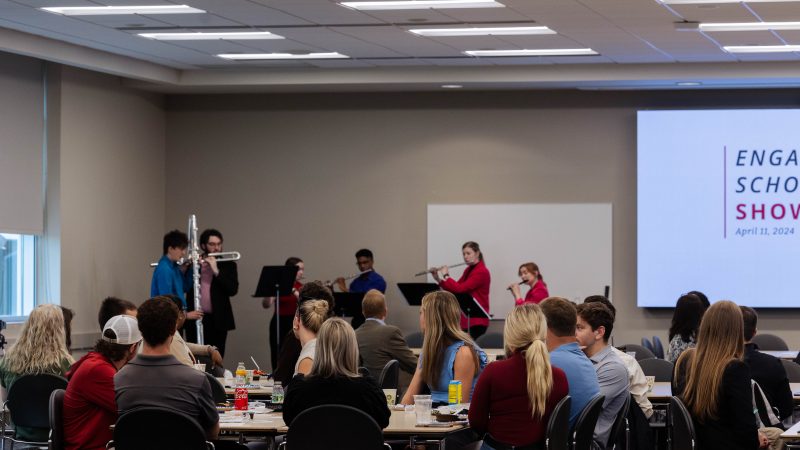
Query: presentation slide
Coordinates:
[718,206]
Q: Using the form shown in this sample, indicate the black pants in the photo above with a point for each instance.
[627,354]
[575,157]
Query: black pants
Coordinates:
[286,326]
[214,336]
[477,331]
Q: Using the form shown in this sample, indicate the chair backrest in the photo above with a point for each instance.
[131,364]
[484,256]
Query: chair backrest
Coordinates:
[29,399]
[659,368]
[57,419]
[414,340]
[390,375]
[648,345]
[682,435]
[217,389]
[557,435]
[158,429]
[620,424]
[583,434]
[490,340]
[792,370]
[658,347]
[321,427]
[641,352]
[769,342]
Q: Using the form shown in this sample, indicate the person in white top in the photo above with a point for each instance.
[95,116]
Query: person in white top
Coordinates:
[307,321]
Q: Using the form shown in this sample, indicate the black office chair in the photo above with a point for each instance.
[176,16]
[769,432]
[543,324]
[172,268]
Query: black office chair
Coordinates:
[658,347]
[620,431]
[682,434]
[57,419]
[321,427]
[414,340]
[557,434]
[659,368]
[792,370]
[217,389]
[769,342]
[490,340]
[641,352]
[158,429]
[28,403]
[390,375]
[583,434]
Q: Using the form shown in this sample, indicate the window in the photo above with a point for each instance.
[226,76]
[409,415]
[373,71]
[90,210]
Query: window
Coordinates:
[17,281]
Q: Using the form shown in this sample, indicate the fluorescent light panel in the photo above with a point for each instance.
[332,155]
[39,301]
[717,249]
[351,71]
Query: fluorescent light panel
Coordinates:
[749,26]
[484,31]
[120,10]
[699,2]
[272,56]
[201,36]
[761,48]
[422,4]
[537,52]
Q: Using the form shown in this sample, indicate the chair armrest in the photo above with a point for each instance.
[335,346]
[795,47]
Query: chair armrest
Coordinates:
[210,445]
[110,444]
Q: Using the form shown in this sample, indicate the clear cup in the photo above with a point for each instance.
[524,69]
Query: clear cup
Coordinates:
[391,396]
[651,380]
[422,407]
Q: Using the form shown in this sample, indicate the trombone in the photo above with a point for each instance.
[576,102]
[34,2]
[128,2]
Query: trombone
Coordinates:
[220,256]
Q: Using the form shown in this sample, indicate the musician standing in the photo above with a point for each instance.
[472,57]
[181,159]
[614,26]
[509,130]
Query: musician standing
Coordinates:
[219,281]
[530,274]
[288,307]
[475,281]
[168,276]
[368,280]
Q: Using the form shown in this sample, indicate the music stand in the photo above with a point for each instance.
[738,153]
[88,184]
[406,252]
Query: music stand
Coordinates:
[347,304]
[413,292]
[471,308]
[273,281]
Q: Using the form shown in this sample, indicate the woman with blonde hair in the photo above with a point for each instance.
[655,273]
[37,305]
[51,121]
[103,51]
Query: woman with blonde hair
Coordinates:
[448,353]
[714,382]
[40,349]
[334,378]
[307,321]
[514,397]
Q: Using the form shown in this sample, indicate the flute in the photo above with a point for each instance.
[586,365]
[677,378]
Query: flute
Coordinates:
[349,277]
[518,284]
[424,272]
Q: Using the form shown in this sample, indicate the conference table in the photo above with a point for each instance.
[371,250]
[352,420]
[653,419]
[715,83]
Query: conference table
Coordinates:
[260,389]
[781,354]
[662,392]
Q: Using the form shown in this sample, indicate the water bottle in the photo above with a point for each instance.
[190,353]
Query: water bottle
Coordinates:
[277,393]
[241,374]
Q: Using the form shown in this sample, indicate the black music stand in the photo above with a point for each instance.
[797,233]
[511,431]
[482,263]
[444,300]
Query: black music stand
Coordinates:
[413,292]
[471,308]
[273,281]
[347,304]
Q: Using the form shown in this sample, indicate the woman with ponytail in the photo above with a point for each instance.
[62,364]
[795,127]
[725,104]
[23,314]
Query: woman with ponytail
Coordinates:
[514,397]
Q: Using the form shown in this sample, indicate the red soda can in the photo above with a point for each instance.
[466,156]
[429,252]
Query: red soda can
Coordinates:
[240,399]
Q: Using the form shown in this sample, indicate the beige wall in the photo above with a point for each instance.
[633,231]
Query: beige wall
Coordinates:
[321,176]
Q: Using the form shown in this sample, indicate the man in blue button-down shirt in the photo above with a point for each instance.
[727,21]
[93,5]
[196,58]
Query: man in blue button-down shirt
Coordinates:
[368,280]
[168,276]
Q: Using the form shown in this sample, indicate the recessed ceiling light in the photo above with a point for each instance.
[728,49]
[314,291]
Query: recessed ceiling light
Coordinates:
[116,10]
[749,26]
[201,36]
[691,2]
[270,56]
[482,31]
[761,48]
[422,4]
[452,86]
[537,52]
[688,83]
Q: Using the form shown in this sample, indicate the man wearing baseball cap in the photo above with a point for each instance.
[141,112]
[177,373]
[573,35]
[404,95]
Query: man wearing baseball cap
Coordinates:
[89,405]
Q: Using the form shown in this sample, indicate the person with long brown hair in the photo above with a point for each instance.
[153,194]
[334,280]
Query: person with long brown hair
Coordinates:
[514,398]
[532,277]
[714,382]
[448,353]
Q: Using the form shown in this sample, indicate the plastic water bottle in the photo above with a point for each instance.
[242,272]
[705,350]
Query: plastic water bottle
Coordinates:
[277,393]
[241,374]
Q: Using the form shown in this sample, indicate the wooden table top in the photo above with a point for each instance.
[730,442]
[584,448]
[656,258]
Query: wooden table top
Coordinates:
[792,433]
[781,354]
[265,389]
[662,391]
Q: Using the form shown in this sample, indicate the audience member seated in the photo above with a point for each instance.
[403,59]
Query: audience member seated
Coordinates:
[514,397]
[567,355]
[714,383]
[112,306]
[89,406]
[594,326]
[68,315]
[379,343]
[187,352]
[40,348]
[307,321]
[290,346]
[685,323]
[636,377]
[155,378]
[448,353]
[334,378]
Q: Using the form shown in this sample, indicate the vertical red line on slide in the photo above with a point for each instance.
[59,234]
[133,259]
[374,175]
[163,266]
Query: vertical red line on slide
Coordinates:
[725,192]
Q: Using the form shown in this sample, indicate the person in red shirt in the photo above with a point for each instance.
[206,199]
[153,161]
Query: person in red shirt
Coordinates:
[514,397]
[530,274]
[89,405]
[475,281]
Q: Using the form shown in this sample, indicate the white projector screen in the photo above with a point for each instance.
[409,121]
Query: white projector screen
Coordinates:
[718,204]
[571,243]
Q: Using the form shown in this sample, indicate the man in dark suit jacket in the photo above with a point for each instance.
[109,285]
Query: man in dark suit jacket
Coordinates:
[223,278]
[765,369]
[379,343]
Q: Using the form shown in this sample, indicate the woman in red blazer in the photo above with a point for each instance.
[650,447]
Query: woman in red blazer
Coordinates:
[530,274]
[474,281]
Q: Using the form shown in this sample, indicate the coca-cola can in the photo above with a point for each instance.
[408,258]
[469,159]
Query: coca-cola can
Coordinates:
[240,402]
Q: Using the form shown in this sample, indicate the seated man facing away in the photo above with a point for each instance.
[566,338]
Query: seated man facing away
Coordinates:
[595,322]
[112,306]
[567,356]
[89,406]
[155,378]
[379,343]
